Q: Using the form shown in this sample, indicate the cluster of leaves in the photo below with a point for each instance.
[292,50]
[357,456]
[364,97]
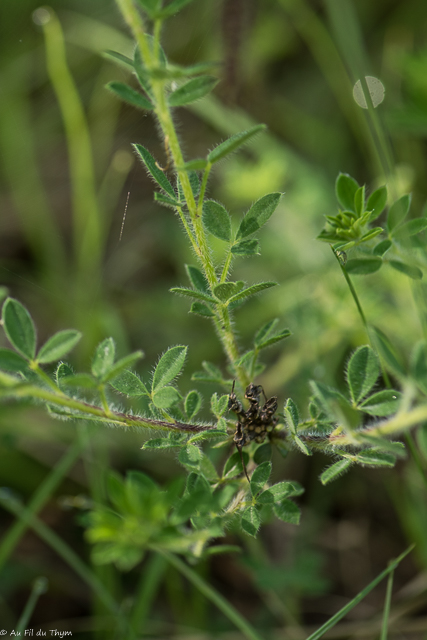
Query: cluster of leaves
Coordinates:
[142,516]
[351,228]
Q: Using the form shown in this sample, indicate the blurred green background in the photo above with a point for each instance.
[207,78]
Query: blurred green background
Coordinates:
[291,64]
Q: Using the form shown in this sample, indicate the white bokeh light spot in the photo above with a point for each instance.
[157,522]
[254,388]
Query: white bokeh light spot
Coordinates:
[376,90]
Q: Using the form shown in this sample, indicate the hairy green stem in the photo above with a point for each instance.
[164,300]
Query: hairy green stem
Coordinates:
[88,411]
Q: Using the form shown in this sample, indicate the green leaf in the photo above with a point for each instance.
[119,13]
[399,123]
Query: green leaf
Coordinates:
[19,328]
[418,365]
[345,190]
[129,384]
[411,228]
[276,338]
[263,453]
[260,476]
[104,358]
[166,397]
[217,220]
[373,458]
[129,95]
[251,291]
[362,372]
[169,366]
[219,405]
[191,293]
[233,466]
[173,7]
[412,272]
[285,490]
[398,212]
[302,446]
[359,201]
[233,143]
[118,58]
[193,404]
[192,90]
[382,247]
[150,6]
[251,521]
[363,266]
[190,456]
[58,345]
[197,278]
[335,471]
[287,511]
[372,233]
[226,290]
[6,380]
[258,215]
[265,332]
[123,363]
[246,248]
[158,175]
[161,443]
[213,374]
[388,353]
[168,202]
[84,380]
[292,415]
[201,309]
[383,403]
[198,164]
[376,203]
[12,361]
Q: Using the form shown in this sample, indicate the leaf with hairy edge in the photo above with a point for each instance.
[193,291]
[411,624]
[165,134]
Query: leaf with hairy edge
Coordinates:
[226,290]
[373,458]
[265,332]
[260,476]
[363,266]
[129,95]
[104,358]
[246,248]
[383,403]
[166,397]
[362,372]
[287,511]
[19,328]
[217,221]
[274,339]
[153,169]
[251,521]
[251,291]
[200,309]
[166,201]
[58,345]
[376,203]
[192,90]
[129,384]
[123,363]
[335,471]
[190,456]
[345,190]
[233,143]
[191,293]
[398,212]
[12,361]
[258,215]
[292,415]
[197,278]
[193,404]
[359,201]
[169,366]
[412,272]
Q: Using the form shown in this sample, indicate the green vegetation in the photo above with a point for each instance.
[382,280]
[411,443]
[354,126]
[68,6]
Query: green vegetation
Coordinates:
[351,376]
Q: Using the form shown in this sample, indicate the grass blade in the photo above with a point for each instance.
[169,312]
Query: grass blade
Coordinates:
[384,629]
[348,607]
